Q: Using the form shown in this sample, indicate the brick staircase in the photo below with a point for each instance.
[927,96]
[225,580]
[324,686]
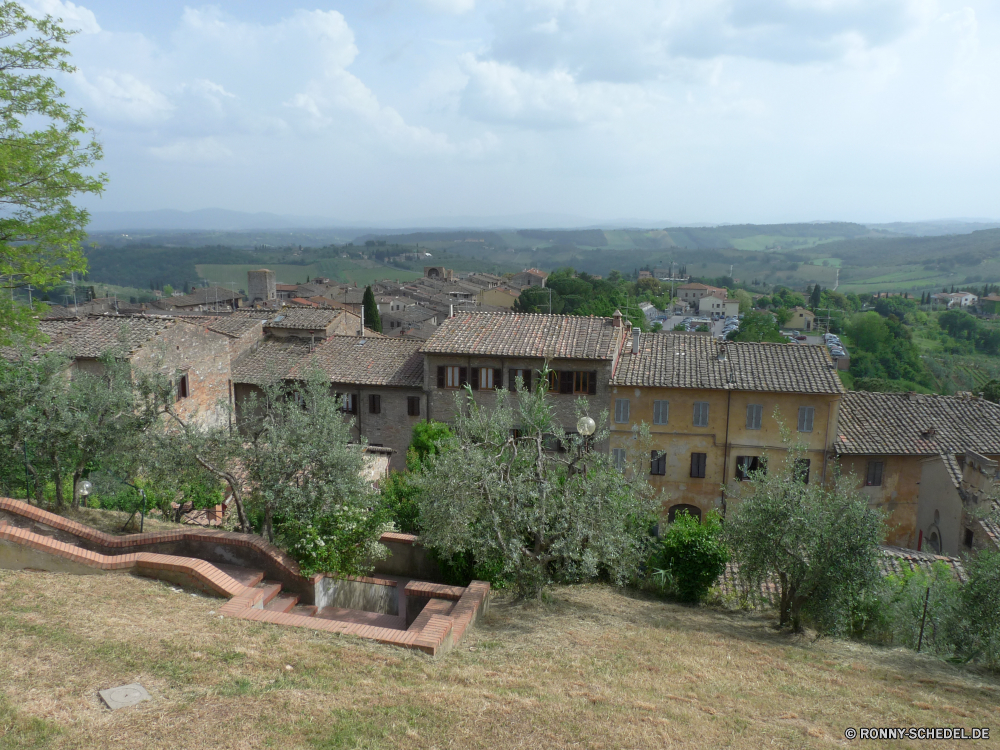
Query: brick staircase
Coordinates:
[430,617]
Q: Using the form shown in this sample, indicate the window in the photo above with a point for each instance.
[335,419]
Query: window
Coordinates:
[182,390]
[487,378]
[658,462]
[524,374]
[413,406]
[618,456]
[802,470]
[698,461]
[661,412]
[745,465]
[374,403]
[701,413]
[349,403]
[969,538]
[806,415]
[621,410]
[754,414]
[585,383]
[874,478]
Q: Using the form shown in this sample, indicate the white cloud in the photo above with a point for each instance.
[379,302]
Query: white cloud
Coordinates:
[455,7]
[123,96]
[192,150]
[74,16]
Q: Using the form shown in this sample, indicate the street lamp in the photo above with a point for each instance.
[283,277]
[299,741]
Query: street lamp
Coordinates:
[586,426]
[84,488]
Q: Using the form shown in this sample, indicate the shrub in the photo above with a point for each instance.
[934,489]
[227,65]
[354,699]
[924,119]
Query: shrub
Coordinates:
[399,496]
[690,557]
[981,610]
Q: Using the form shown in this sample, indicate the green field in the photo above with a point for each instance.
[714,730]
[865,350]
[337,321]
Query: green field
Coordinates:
[342,270]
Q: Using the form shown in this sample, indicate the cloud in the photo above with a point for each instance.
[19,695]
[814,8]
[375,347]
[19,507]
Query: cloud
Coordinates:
[124,97]
[74,16]
[192,150]
[454,7]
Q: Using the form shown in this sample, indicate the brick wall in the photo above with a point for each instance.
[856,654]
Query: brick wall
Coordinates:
[392,426]
[204,356]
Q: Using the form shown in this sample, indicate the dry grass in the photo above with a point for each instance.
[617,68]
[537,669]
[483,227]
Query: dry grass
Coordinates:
[592,668]
[112,521]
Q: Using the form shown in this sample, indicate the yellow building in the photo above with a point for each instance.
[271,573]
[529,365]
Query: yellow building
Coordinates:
[908,451]
[714,409]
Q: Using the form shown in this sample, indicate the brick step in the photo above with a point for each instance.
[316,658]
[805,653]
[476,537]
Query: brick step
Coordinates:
[246,576]
[306,610]
[282,602]
[359,617]
[270,589]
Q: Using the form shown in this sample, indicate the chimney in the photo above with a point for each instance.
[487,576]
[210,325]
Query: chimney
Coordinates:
[635,339]
[451,311]
[722,353]
[616,319]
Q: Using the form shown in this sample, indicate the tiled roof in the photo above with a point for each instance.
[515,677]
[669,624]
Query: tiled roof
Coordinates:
[699,285]
[204,296]
[524,335]
[310,319]
[916,424]
[991,524]
[365,361]
[94,335]
[686,360]
[234,327]
[271,361]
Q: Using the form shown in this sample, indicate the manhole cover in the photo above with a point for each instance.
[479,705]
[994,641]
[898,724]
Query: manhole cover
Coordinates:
[126,695]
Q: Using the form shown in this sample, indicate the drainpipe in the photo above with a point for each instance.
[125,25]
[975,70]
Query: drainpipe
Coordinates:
[725,453]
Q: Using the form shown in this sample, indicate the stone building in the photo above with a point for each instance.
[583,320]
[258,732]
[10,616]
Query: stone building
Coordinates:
[309,323]
[489,350]
[801,320]
[907,451]
[262,286]
[380,380]
[716,409]
[692,293]
[528,277]
[213,298]
[194,358]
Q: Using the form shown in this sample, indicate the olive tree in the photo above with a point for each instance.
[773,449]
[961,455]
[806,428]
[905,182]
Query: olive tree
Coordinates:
[818,543]
[295,475]
[512,488]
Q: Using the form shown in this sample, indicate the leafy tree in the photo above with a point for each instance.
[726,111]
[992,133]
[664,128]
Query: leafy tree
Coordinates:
[534,503]
[292,468]
[816,298]
[745,299]
[68,424]
[981,609]
[991,391]
[46,153]
[817,542]
[757,325]
[168,291]
[429,439]
[690,556]
[372,319]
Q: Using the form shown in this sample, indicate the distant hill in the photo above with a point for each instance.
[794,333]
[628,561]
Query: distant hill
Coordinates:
[936,228]
[205,219]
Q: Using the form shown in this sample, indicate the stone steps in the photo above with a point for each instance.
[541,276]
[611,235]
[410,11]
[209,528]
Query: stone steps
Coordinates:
[283,603]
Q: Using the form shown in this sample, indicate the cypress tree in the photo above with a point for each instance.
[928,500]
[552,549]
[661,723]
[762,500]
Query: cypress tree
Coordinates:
[372,319]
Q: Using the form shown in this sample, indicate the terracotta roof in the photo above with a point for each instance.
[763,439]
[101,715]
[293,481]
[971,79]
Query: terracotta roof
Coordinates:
[234,327]
[94,335]
[699,285]
[203,296]
[916,424]
[366,361]
[991,525]
[269,362]
[310,319]
[525,335]
[686,360]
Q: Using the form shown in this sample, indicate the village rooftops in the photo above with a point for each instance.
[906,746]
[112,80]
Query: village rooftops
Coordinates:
[686,360]
[228,325]
[269,362]
[916,424]
[92,336]
[203,296]
[365,361]
[303,318]
[509,334]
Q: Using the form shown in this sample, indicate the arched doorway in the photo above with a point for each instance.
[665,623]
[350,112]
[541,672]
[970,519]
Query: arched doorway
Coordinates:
[692,510]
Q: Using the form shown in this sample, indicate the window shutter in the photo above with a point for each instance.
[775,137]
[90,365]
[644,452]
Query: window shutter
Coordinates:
[463,376]
[593,383]
[512,379]
[565,381]
[475,378]
[527,379]
[497,377]
[441,376]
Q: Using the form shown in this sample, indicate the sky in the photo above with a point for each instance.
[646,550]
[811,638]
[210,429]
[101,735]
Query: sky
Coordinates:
[681,111]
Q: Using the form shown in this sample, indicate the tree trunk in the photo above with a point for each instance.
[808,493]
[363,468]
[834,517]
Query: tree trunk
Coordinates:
[77,473]
[38,486]
[59,485]
[785,603]
[268,529]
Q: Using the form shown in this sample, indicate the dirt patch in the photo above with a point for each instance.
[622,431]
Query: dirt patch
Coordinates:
[591,668]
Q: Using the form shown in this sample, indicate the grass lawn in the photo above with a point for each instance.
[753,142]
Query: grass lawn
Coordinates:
[593,667]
